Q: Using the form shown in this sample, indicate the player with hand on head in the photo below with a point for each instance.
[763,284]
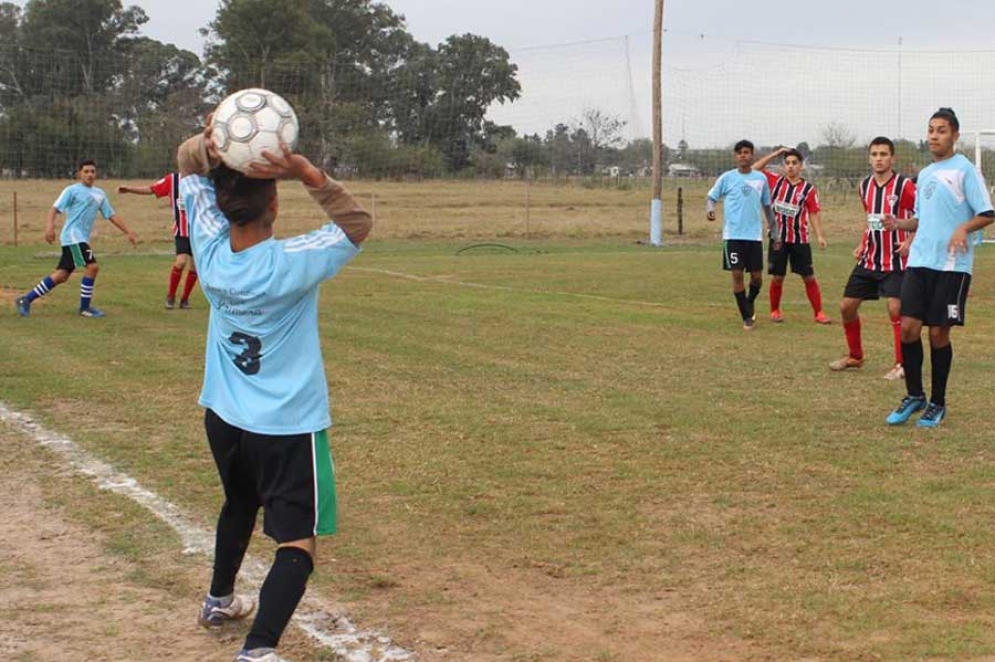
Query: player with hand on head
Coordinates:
[952,202]
[264,390]
[169,187]
[881,256]
[81,203]
[795,202]
[747,202]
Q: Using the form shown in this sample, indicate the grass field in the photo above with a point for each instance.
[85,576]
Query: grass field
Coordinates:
[571,452]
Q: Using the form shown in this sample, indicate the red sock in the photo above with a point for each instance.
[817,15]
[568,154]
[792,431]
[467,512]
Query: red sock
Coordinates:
[174,281]
[896,327]
[852,329]
[776,289]
[188,286]
[814,295]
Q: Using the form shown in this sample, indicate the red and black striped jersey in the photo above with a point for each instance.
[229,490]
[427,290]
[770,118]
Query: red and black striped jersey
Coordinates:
[792,205]
[879,247]
[170,186]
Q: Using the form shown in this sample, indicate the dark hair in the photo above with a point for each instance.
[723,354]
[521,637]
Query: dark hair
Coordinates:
[241,199]
[85,162]
[949,115]
[881,140]
[743,143]
[795,153]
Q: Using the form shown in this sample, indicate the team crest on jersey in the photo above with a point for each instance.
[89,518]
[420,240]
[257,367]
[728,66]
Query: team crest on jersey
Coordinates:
[930,189]
[892,199]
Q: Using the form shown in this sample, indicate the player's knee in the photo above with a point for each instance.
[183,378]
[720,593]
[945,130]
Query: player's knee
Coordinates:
[181,261]
[306,545]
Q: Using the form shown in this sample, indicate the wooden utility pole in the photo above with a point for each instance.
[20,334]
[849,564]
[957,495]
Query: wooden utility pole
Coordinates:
[656,207]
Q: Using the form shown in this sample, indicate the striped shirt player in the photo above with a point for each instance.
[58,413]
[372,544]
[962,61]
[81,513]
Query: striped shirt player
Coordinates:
[795,202]
[952,202]
[881,255]
[747,202]
[169,187]
[81,203]
[264,389]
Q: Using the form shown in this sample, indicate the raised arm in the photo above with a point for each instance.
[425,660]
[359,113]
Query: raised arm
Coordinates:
[762,162]
[137,190]
[339,205]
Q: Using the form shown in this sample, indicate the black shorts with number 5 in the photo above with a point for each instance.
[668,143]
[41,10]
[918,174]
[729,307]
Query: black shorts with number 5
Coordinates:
[937,298]
[738,254]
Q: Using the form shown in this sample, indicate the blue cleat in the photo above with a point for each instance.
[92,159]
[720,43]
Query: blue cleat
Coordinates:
[910,405]
[91,312]
[932,417]
[23,306]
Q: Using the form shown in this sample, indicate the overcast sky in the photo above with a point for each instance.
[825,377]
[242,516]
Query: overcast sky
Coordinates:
[713,63]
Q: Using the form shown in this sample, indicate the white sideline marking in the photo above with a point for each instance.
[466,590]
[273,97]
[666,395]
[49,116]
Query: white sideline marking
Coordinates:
[443,280]
[320,621]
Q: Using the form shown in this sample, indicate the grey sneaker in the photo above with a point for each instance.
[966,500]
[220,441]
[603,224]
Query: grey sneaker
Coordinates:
[214,613]
[170,303]
[184,305]
[91,312]
[259,655]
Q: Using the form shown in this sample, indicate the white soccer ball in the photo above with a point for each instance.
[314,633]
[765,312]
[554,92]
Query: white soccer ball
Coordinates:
[250,121]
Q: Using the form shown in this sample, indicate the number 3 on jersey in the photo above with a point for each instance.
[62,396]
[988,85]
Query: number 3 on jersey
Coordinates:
[248,361]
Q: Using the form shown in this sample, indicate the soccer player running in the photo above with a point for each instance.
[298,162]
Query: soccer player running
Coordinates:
[746,195]
[81,203]
[881,256]
[169,187]
[795,202]
[952,201]
[264,390]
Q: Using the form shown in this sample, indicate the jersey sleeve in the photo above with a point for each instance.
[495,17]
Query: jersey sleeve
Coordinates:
[208,226]
[718,190]
[316,256]
[105,208]
[771,177]
[162,188]
[976,192]
[907,201]
[812,201]
[65,199]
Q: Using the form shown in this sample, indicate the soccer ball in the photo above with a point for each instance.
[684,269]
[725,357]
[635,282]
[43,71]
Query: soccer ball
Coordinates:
[250,121]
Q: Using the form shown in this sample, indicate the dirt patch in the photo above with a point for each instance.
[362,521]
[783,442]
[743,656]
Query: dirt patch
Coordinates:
[63,595]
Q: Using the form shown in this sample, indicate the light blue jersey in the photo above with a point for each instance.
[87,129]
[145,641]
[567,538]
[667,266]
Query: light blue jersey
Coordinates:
[80,204]
[263,370]
[950,193]
[745,196]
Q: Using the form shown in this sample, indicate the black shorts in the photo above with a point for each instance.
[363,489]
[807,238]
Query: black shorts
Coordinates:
[739,254]
[292,477]
[76,255]
[800,256]
[937,298]
[870,285]
[183,246]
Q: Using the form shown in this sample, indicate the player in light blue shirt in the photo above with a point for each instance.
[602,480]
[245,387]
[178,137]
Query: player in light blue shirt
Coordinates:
[264,378]
[951,204]
[81,203]
[747,202]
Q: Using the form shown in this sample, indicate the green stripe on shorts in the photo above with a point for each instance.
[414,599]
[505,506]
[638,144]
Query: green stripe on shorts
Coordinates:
[77,256]
[324,486]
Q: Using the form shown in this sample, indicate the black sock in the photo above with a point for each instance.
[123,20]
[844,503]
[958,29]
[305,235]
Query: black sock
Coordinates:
[941,358]
[279,596]
[754,290]
[912,362]
[744,305]
[230,542]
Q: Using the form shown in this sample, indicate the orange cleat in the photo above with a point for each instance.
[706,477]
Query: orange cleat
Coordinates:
[846,363]
[776,316]
[822,318]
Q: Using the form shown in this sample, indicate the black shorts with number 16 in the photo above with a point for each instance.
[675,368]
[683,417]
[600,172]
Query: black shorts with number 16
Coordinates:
[738,254]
